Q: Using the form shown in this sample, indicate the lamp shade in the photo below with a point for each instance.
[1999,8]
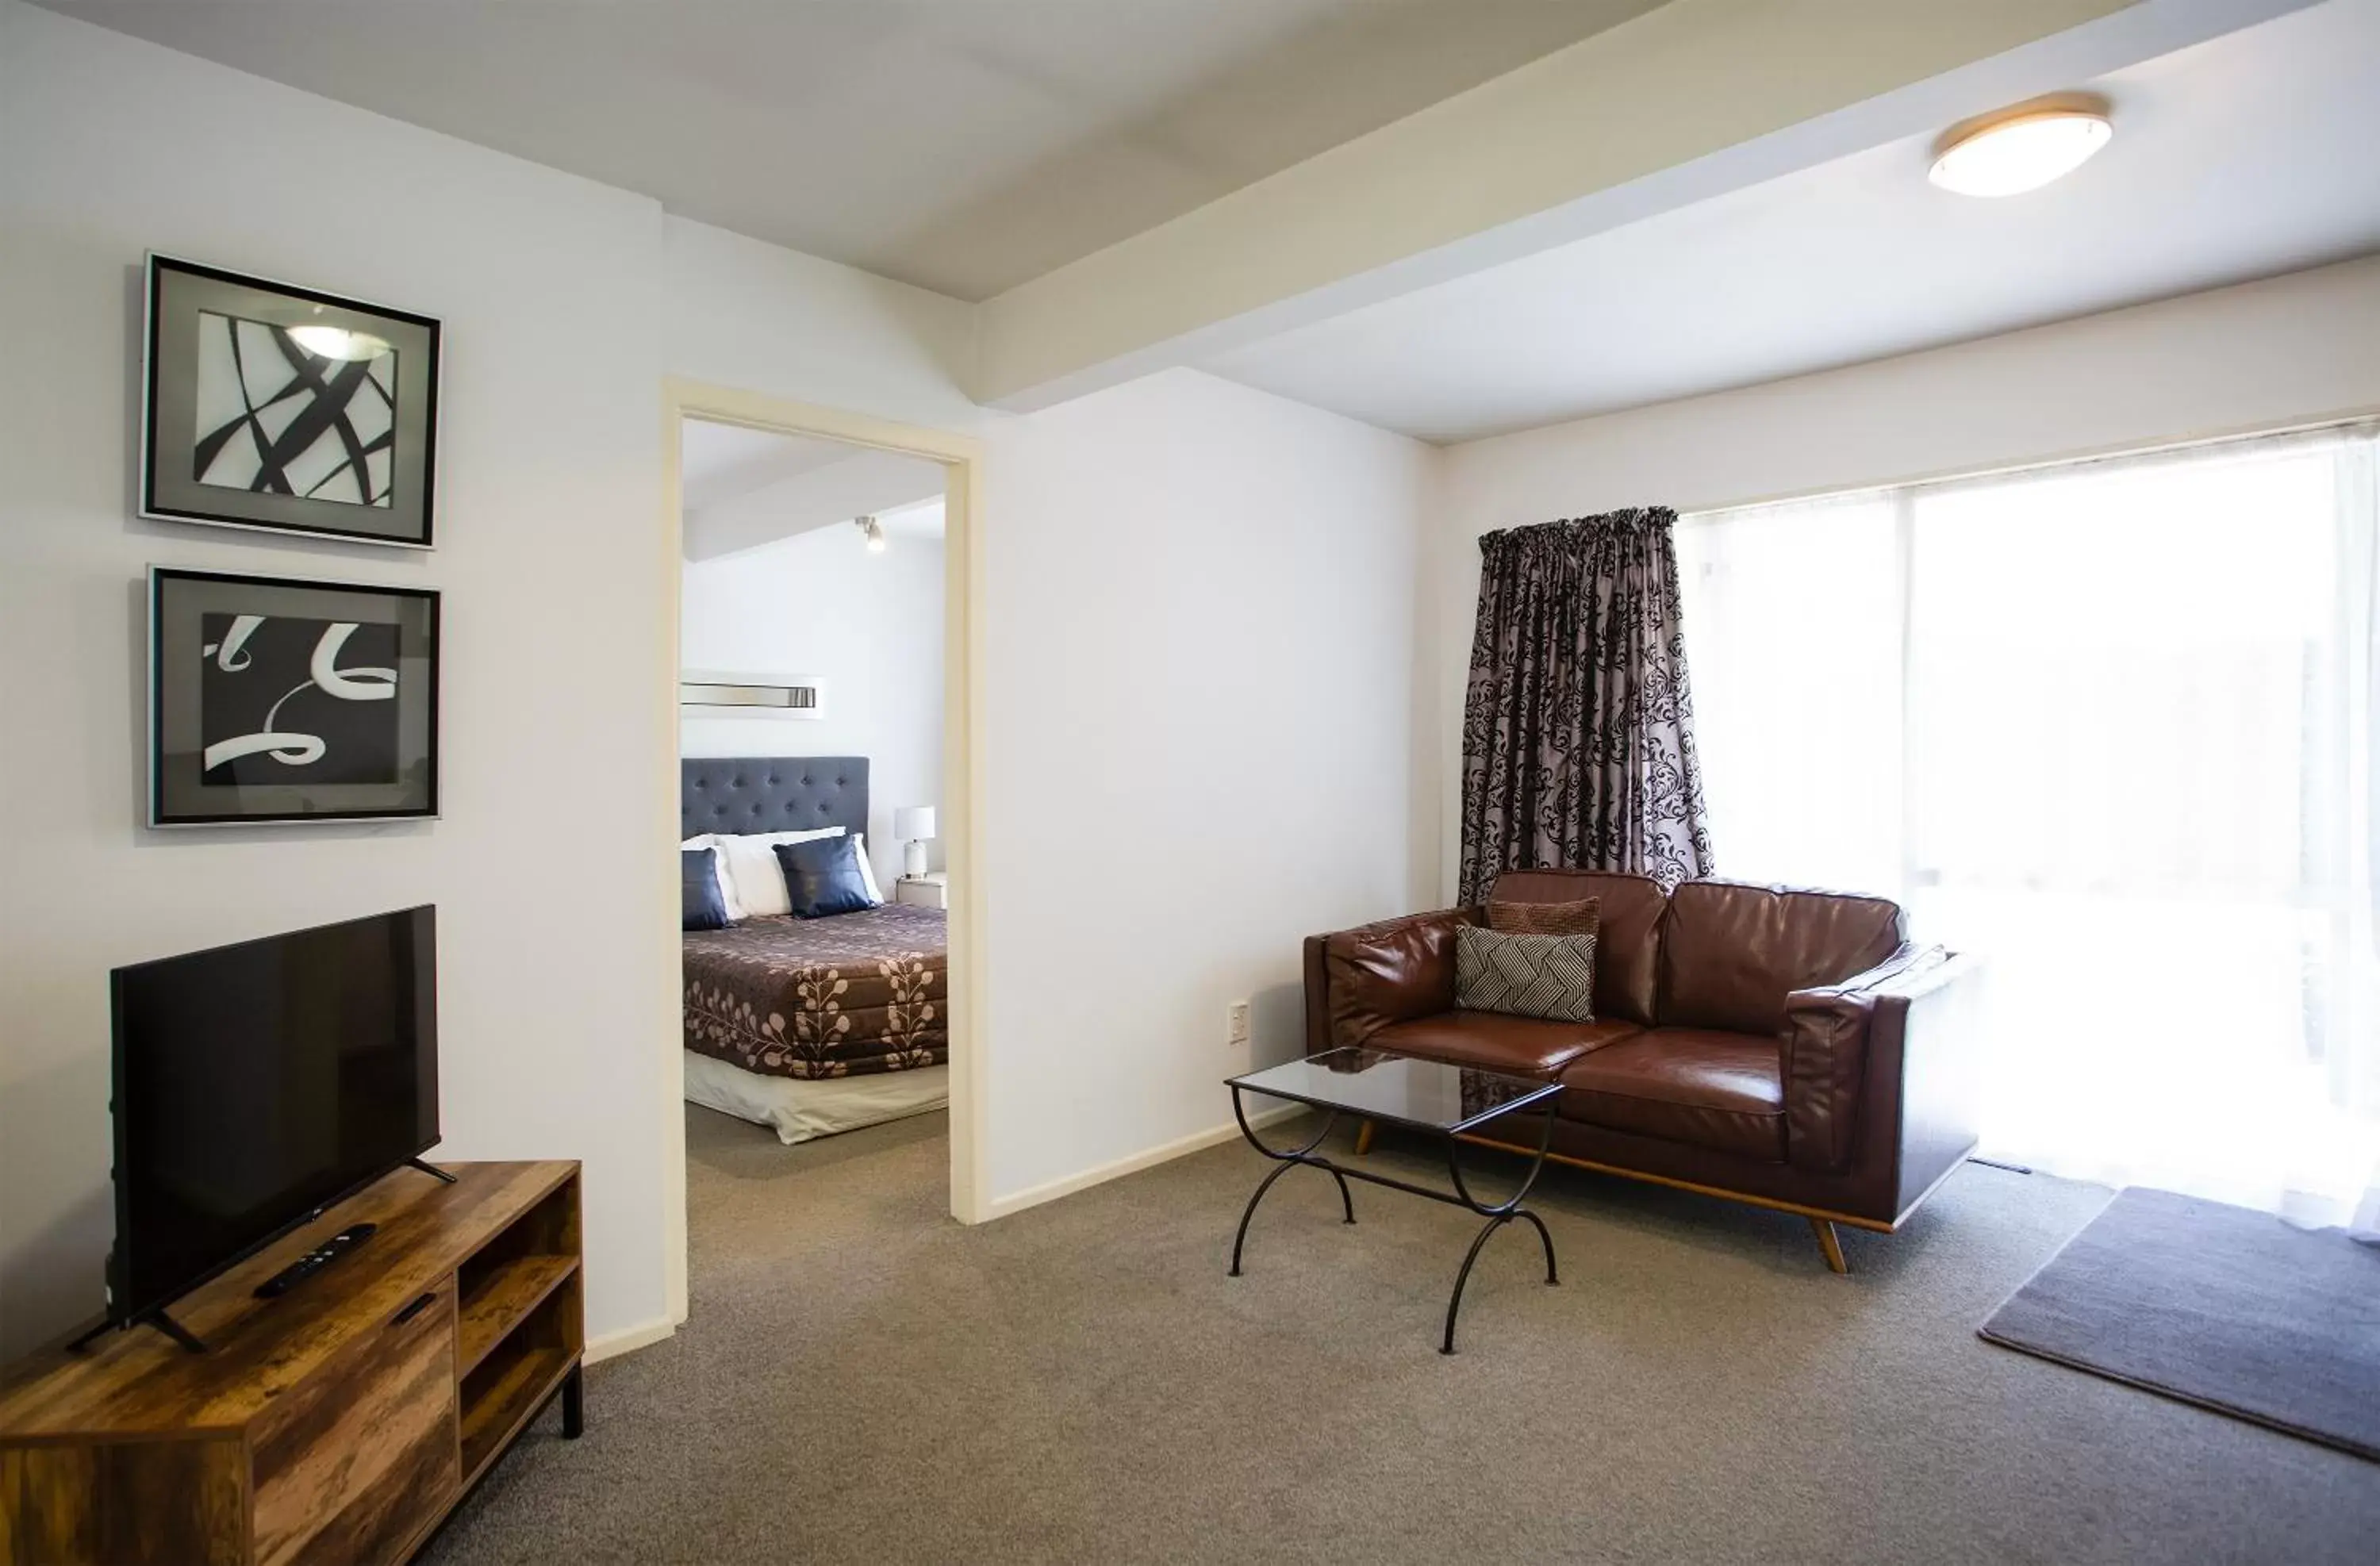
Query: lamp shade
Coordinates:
[913,822]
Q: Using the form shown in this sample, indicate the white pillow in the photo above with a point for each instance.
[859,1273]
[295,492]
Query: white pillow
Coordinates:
[867,870]
[753,880]
[718,872]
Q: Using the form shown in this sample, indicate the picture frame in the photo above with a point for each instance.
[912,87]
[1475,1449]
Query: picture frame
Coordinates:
[269,406]
[285,700]
[726,693]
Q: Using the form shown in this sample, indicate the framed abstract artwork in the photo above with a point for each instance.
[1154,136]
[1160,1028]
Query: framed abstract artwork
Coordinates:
[276,699]
[274,406]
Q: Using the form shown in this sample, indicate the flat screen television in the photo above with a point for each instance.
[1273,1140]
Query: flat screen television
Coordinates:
[257,1084]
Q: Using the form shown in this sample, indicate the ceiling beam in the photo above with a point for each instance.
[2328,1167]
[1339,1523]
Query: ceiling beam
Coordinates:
[858,483]
[1679,104]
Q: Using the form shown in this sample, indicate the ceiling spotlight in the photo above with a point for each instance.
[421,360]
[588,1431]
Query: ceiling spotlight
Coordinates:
[872,531]
[2023,148]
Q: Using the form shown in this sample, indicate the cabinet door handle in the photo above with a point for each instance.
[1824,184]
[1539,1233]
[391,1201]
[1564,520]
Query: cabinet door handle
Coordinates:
[416,1308]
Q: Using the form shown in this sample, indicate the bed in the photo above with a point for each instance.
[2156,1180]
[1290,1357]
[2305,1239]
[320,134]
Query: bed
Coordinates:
[809,1026]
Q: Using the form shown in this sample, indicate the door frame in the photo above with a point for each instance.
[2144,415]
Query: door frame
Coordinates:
[961,457]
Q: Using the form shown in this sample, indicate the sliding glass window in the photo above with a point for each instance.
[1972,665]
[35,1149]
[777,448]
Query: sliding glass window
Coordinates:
[2111,725]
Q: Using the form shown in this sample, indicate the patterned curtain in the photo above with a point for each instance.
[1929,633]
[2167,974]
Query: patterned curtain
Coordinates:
[1578,745]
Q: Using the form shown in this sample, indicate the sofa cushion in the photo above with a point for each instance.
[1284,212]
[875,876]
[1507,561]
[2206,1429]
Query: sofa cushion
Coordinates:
[1730,952]
[1388,972]
[1582,917]
[1628,932]
[1492,1041]
[1524,975]
[1707,1088]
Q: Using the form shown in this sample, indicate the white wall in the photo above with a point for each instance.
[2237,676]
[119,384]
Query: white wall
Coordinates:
[1196,746]
[2297,350]
[870,626]
[565,305]
[1197,616]
[742,313]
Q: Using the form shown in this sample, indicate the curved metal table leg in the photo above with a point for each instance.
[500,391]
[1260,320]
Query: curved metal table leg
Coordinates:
[1249,1211]
[1546,1239]
[1498,1216]
[1287,1161]
[1454,1303]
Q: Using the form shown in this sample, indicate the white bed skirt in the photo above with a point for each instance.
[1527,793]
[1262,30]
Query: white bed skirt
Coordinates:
[798,1108]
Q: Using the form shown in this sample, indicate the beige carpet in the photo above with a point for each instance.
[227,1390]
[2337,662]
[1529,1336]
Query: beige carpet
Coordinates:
[863,1381]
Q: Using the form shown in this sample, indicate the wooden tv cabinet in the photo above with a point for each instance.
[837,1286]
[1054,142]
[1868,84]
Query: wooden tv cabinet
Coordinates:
[339,1422]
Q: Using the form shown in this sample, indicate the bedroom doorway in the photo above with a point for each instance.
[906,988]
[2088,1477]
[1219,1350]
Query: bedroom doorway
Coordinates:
[818,567]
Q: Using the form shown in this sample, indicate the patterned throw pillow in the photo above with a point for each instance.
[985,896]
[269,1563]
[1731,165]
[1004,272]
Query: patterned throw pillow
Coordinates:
[1551,977]
[1582,918]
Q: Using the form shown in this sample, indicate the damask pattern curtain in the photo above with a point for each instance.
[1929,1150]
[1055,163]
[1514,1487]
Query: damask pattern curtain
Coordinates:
[1578,747]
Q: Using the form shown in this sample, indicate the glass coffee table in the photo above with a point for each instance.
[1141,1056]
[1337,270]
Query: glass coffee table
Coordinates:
[1417,1094]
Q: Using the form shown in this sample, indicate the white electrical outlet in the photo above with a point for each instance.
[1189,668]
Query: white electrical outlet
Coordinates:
[1238,1022]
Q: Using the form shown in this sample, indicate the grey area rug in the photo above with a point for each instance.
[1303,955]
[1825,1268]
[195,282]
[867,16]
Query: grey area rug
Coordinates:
[864,1383]
[2217,1306]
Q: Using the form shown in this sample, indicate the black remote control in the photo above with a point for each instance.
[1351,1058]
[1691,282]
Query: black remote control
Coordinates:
[313,1261]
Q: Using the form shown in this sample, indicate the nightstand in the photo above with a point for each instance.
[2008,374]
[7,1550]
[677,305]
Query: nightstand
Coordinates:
[924,892]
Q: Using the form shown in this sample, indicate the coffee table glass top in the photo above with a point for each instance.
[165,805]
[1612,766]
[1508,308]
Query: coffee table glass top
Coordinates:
[1399,1088]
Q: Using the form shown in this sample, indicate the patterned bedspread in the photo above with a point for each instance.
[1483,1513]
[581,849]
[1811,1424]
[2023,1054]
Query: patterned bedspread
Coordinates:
[840,996]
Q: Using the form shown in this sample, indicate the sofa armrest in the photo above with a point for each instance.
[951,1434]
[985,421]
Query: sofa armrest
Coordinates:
[1317,996]
[1358,981]
[1831,1031]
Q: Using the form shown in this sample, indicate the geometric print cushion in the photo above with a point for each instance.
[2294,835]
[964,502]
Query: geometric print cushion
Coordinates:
[1551,977]
[1582,917]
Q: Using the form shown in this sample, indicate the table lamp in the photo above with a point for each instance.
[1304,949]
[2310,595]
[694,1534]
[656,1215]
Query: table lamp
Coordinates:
[913,824]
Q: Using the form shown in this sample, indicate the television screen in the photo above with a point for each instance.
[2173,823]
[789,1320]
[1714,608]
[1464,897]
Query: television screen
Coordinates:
[258,1083]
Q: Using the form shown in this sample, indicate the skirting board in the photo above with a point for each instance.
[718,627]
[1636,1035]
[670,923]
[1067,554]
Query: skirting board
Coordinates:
[1164,1152]
[627,1340]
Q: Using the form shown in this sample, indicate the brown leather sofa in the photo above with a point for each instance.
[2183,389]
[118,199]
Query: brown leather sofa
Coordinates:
[1783,1048]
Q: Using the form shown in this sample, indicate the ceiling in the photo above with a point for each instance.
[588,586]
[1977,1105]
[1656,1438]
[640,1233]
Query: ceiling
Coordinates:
[2239,158]
[963,145]
[716,462]
[742,488]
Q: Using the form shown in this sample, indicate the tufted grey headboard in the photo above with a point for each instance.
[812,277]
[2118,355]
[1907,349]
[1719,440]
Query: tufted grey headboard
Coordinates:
[740,794]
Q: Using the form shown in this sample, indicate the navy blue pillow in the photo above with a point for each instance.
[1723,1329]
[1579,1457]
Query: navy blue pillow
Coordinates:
[822,877]
[698,870]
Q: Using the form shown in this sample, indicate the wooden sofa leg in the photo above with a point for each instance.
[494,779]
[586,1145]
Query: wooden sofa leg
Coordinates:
[1829,1243]
[1364,1138]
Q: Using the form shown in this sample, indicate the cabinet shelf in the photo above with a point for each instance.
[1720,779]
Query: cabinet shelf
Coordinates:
[498,1301]
[341,1422]
[501,1396]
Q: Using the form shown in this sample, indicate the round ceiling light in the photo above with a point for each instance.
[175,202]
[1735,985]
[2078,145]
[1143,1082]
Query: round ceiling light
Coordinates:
[2021,149]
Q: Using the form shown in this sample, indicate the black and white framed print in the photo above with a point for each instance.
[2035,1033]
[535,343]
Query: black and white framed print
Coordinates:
[269,405]
[276,699]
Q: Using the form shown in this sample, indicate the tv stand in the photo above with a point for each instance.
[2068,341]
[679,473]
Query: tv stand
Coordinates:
[157,1319]
[174,1330]
[429,1169]
[340,1423]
